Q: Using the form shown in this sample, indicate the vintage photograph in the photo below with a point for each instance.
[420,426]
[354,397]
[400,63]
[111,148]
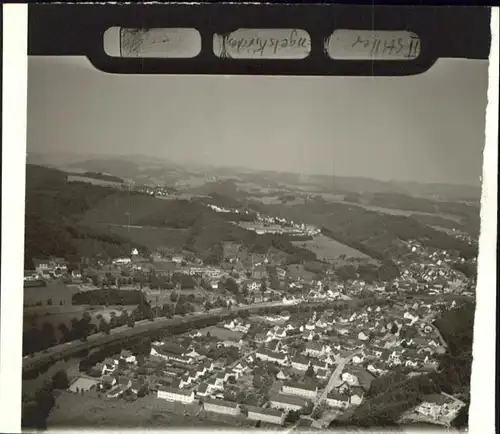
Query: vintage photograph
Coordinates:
[250,251]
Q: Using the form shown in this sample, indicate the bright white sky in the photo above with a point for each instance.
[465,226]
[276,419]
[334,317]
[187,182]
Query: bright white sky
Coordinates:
[427,128]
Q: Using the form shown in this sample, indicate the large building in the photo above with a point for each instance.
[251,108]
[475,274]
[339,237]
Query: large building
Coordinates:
[176,395]
[268,415]
[221,406]
[299,389]
[271,356]
[288,402]
[337,400]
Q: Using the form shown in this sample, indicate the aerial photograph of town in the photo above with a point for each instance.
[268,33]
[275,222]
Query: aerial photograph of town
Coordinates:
[250,252]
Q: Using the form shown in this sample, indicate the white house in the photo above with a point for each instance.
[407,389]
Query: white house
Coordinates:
[241,367]
[300,363]
[282,375]
[203,390]
[358,358]
[357,395]
[362,336]
[176,395]
[304,390]
[271,356]
[314,349]
[337,400]
[350,378]
[128,356]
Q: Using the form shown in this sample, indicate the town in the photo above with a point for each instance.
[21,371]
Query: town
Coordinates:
[302,366]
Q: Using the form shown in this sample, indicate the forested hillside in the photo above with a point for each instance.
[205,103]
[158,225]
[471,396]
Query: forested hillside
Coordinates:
[53,211]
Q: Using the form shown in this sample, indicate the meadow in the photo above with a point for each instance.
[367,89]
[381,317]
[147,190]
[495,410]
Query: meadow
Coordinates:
[328,249]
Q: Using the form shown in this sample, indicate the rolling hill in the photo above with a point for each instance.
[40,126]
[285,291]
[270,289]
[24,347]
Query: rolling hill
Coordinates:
[52,220]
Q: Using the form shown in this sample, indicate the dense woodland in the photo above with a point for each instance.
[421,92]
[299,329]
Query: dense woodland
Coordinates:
[52,226]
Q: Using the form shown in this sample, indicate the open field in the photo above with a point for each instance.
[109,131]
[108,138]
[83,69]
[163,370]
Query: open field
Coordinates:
[220,332]
[328,249]
[90,410]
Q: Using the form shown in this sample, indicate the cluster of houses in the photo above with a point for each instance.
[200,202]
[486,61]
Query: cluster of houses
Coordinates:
[438,408]
[307,350]
[50,268]
[429,271]
[269,224]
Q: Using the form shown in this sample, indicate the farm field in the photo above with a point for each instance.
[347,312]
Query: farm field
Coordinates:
[328,249]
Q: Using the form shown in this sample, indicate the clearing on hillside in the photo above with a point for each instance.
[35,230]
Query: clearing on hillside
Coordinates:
[328,249]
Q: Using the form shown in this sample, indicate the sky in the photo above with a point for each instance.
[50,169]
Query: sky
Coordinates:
[426,128]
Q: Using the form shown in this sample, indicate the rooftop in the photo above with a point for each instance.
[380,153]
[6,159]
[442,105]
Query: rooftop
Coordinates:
[221,403]
[175,391]
[302,386]
[266,411]
[289,399]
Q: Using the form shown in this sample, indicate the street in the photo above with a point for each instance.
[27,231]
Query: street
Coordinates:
[334,378]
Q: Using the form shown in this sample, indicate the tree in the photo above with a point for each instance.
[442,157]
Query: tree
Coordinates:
[174,296]
[309,372]
[104,326]
[131,322]
[45,400]
[208,306]
[60,380]
[394,329]
[292,416]
[32,416]
[65,333]
[231,285]
[48,335]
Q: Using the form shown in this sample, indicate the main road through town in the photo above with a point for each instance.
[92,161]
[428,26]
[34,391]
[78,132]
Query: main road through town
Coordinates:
[335,377]
[141,327]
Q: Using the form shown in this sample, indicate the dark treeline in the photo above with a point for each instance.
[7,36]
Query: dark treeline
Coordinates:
[103,177]
[107,297]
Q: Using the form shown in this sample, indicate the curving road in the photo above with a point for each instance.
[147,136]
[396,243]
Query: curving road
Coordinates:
[69,348]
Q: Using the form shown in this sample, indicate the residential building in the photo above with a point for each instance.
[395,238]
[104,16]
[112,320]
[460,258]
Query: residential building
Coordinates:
[357,394]
[176,395]
[300,363]
[203,390]
[115,392]
[221,406]
[315,349]
[271,356]
[337,400]
[128,356]
[268,415]
[432,405]
[288,402]
[304,390]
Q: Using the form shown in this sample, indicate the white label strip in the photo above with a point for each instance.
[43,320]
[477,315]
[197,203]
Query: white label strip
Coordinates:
[263,44]
[177,43]
[372,45]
